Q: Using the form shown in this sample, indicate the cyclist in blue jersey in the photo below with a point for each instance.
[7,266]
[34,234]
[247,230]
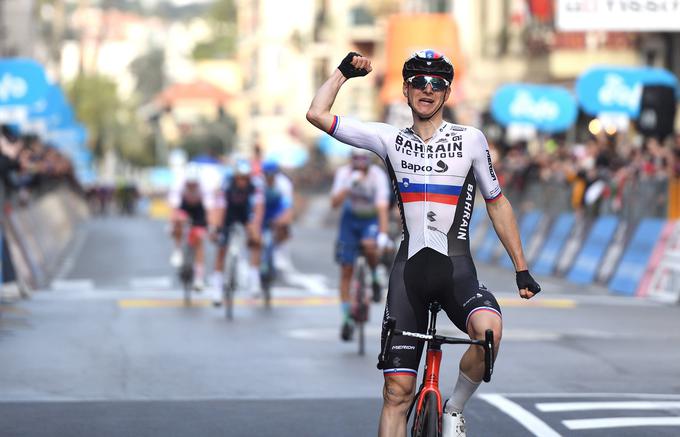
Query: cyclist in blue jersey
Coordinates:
[278,211]
[362,189]
[435,168]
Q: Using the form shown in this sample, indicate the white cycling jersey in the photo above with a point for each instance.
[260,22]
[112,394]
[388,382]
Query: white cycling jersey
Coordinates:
[366,192]
[431,179]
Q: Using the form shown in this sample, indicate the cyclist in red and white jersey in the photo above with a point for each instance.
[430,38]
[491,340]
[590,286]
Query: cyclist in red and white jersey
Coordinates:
[435,168]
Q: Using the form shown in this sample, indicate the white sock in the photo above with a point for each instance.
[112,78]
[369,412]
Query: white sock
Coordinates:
[465,388]
[217,281]
[254,279]
[198,270]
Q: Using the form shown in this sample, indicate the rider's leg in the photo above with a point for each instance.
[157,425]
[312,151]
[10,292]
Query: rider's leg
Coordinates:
[217,281]
[281,252]
[176,232]
[346,271]
[199,261]
[398,393]
[472,363]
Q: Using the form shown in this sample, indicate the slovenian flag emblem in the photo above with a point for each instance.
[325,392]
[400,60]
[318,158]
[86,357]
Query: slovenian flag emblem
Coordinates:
[413,192]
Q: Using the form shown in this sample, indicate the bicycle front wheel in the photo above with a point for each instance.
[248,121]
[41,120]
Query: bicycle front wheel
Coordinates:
[426,422]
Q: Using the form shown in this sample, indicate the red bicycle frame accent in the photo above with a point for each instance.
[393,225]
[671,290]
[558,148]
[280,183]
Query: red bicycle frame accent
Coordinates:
[431,378]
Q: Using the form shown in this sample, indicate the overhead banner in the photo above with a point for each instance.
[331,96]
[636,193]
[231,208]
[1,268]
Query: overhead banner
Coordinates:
[22,82]
[546,108]
[618,15]
[617,90]
[407,34]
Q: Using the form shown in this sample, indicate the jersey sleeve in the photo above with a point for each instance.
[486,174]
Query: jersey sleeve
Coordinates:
[341,180]
[369,136]
[285,187]
[382,194]
[483,169]
[257,196]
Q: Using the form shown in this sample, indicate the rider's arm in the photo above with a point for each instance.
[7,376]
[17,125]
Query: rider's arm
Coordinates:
[503,219]
[340,186]
[285,187]
[319,113]
[353,132]
[382,200]
[497,206]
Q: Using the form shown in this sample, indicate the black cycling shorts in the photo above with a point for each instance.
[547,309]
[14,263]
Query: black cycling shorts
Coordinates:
[414,283]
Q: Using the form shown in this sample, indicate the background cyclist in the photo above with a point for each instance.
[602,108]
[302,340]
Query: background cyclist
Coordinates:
[278,215]
[244,205]
[190,205]
[361,189]
[435,167]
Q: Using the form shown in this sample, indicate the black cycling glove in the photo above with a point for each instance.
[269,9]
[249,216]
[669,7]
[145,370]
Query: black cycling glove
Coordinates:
[525,280]
[348,70]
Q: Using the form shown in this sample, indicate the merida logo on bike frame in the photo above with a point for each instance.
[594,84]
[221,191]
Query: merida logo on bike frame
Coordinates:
[467,212]
[431,151]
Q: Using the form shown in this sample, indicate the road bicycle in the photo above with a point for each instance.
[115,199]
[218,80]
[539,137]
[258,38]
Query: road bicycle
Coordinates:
[267,269]
[359,298]
[185,271]
[427,420]
[232,265]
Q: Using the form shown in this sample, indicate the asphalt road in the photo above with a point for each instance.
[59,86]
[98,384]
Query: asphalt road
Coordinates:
[109,350]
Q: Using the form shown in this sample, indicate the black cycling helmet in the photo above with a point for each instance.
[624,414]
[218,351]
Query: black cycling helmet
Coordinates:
[428,62]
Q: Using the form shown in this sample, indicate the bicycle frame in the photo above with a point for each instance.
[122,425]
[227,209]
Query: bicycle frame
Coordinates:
[433,358]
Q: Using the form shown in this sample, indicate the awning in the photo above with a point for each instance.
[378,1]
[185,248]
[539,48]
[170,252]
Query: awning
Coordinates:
[407,34]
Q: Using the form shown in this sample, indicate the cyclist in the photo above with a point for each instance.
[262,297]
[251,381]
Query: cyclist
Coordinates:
[278,215]
[243,204]
[361,188]
[434,167]
[189,205]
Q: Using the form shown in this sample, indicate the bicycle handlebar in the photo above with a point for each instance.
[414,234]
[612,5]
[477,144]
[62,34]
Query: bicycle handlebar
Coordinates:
[487,344]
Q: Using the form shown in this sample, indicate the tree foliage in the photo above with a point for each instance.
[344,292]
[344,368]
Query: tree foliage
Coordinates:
[149,70]
[112,123]
[222,19]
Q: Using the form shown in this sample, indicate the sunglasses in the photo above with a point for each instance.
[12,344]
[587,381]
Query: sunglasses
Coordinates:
[421,82]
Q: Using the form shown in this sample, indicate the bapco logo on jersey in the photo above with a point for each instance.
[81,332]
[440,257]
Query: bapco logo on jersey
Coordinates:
[441,167]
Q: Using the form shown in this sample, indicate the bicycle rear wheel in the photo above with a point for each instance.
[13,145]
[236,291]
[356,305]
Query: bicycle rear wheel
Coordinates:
[230,287]
[426,421]
[360,306]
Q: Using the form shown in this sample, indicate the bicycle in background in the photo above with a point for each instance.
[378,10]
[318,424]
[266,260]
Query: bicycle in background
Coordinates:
[427,420]
[359,298]
[267,269]
[185,271]
[232,268]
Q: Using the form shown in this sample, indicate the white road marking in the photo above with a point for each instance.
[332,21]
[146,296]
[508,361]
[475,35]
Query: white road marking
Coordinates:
[158,282]
[529,421]
[552,407]
[68,263]
[72,284]
[593,395]
[620,422]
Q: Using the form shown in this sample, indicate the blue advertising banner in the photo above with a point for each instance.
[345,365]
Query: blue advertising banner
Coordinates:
[589,258]
[618,89]
[554,244]
[547,108]
[54,109]
[634,262]
[22,82]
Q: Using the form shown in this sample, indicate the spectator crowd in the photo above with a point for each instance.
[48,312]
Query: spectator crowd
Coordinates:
[28,166]
[605,175]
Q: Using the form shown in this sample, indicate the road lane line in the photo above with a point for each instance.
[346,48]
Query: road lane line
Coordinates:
[541,303]
[277,302]
[551,407]
[620,422]
[532,423]
[594,395]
